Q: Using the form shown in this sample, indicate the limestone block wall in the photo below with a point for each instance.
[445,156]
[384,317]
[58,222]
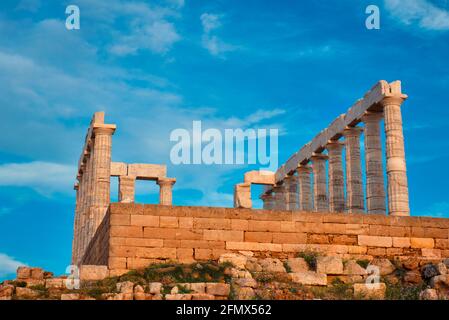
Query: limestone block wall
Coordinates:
[97,253]
[143,234]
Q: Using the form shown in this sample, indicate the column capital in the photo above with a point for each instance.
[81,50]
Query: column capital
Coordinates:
[318,156]
[334,145]
[304,168]
[166,181]
[393,100]
[352,131]
[372,116]
[103,129]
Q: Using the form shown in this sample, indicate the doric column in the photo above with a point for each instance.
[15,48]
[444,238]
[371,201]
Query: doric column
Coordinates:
[279,197]
[126,188]
[165,193]
[398,204]
[375,189]
[320,199]
[354,183]
[268,200]
[291,185]
[76,226]
[305,198]
[101,173]
[336,178]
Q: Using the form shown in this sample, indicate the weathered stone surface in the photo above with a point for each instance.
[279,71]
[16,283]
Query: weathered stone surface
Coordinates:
[429,271]
[70,296]
[351,267]
[178,297]
[297,265]
[92,272]
[442,269]
[385,266]
[410,263]
[252,265]
[6,292]
[202,296]
[309,278]
[370,291]
[125,287]
[272,265]
[446,262]
[428,294]
[440,282]
[37,273]
[329,265]
[245,293]
[55,283]
[259,177]
[246,282]
[412,277]
[218,289]
[23,273]
[26,293]
[238,260]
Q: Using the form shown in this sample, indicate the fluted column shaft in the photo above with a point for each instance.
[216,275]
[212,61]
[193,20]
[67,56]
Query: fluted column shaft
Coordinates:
[320,198]
[268,201]
[336,178]
[279,197]
[165,192]
[354,183]
[305,197]
[291,184]
[398,201]
[75,240]
[375,189]
[126,192]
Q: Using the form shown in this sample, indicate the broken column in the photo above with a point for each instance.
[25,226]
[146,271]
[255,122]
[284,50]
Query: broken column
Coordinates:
[336,178]
[268,200]
[165,192]
[126,191]
[398,202]
[319,182]
[305,197]
[375,189]
[354,183]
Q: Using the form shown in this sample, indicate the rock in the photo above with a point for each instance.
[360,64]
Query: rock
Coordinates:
[428,294]
[440,282]
[412,277]
[202,296]
[178,297]
[27,293]
[252,265]
[139,293]
[385,266]
[70,296]
[442,269]
[218,289]
[370,290]
[48,275]
[446,262]
[174,290]
[246,283]
[329,265]
[237,260]
[157,297]
[309,278]
[35,282]
[245,293]
[56,283]
[236,273]
[37,273]
[138,288]
[297,265]
[351,267]
[23,273]
[429,271]
[199,287]
[93,273]
[272,265]
[125,287]
[155,287]
[6,292]
[410,264]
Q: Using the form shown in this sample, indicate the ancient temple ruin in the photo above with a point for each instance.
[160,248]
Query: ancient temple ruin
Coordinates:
[302,183]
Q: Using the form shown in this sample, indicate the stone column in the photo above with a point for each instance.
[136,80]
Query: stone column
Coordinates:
[398,202]
[83,210]
[375,189]
[126,189]
[354,183]
[320,199]
[76,226]
[291,184]
[336,178]
[101,173]
[279,197]
[305,198]
[165,193]
[268,201]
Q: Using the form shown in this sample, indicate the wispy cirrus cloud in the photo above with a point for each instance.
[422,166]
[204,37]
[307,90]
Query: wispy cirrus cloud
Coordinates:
[423,13]
[8,265]
[209,40]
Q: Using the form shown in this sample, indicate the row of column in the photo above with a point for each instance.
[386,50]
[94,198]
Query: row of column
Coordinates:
[295,191]
[127,190]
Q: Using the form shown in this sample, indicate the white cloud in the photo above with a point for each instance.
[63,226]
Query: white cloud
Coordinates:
[8,265]
[44,177]
[211,42]
[421,12]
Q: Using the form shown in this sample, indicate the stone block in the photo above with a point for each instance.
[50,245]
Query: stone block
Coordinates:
[401,242]
[23,273]
[168,222]
[385,266]
[260,177]
[155,287]
[126,231]
[239,224]
[351,267]
[274,226]
[428,294]
[309,278]
[370,291]
[237,260]
[145,220]
[70,296]
[254,246]
[223,235]
[178,296]
[272,265]
[281,237]
[218,289]
[57,283]
[375,241]
[27,293]
[6,291]
[92,272]
[297,265]
[119,169]
[329,265]
[256,236]
[202,296]
[144,171]
[37,273]
[427,243]
[212,223]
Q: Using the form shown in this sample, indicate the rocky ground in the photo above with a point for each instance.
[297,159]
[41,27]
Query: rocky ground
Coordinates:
[243,276]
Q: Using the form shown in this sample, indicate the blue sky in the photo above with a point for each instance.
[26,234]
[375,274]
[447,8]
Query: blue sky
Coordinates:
[155,66]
